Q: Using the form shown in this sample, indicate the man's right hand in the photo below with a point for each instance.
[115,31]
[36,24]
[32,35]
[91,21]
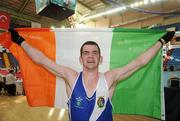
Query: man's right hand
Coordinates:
[16,37]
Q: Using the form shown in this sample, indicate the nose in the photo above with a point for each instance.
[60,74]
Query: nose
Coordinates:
[91,55]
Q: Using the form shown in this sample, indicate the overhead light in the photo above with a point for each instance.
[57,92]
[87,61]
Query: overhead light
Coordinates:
[141,3]
[62,27]
[80,25]
[52,27]
[153,1]
[146,2]
[119,9]
[112,11]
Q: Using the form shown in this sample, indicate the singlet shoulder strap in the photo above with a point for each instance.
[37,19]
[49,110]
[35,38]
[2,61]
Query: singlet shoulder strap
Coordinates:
[102,96]
[78,78]
[102,82]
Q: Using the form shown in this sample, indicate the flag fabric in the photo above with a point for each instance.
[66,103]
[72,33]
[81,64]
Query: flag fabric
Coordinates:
[138,94]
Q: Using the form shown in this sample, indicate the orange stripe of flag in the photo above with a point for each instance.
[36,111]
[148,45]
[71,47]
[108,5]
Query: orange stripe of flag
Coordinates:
[39,84]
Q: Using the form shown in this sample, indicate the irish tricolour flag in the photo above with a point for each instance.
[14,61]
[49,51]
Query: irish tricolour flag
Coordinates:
[138,94]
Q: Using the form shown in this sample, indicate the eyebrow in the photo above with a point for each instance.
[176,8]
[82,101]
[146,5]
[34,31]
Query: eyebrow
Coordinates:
[85,51]
[89,51]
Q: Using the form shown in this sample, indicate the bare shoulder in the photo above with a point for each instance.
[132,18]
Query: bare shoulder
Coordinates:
[74,74]
[71,76]
[114,76]
[109,76]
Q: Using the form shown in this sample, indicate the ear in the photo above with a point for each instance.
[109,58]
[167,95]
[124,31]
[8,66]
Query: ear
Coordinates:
[100,60]
[80,60]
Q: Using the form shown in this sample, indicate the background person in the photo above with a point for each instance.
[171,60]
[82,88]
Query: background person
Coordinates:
[10,83]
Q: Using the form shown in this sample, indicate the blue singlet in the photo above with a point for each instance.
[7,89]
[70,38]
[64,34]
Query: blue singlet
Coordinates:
[81,106]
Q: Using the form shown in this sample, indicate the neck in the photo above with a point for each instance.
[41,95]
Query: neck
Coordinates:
[90,72]
[90,76]
[90,80]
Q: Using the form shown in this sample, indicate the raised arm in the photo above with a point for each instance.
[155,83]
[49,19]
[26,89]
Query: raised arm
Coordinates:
[119,74]
[39,58]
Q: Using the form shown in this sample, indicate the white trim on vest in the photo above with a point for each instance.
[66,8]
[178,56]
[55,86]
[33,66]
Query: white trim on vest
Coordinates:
[101,93]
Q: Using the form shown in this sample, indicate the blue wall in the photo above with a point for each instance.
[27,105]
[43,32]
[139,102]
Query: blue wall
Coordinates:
[176,25]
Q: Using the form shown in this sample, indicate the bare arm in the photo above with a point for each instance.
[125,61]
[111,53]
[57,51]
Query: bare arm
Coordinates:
[116,75]
[39,58]
[119,74]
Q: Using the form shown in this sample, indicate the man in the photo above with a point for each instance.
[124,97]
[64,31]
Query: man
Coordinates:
[89,91]
[10,83]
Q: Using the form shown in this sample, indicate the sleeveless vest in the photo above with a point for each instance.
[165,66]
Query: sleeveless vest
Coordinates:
[95,108]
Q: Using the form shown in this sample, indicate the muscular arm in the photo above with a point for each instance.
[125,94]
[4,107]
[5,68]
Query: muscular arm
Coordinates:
[39,58]
[68,74]
[116,75]
[121,73]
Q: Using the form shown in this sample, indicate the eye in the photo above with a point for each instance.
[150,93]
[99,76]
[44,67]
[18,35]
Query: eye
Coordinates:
[85,52]
[95,52]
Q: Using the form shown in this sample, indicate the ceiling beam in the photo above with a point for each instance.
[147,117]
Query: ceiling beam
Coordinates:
[104,2]
[143,18]
[26,2]
[89,8]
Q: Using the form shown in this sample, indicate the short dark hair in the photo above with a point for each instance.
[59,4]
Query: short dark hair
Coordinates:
[90,43]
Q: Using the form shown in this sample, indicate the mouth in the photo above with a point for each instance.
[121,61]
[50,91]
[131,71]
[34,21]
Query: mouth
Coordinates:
[90,62]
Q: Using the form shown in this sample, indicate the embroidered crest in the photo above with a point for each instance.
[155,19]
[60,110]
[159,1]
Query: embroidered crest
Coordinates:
[78,102]
[101,102]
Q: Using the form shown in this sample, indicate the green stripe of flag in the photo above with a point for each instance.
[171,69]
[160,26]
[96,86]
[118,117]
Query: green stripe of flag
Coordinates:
[139,93]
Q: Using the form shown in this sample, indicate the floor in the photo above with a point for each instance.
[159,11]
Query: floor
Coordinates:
[15,108]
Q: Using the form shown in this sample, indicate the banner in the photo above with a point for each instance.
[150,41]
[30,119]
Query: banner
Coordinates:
[137,94]
[4,20]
